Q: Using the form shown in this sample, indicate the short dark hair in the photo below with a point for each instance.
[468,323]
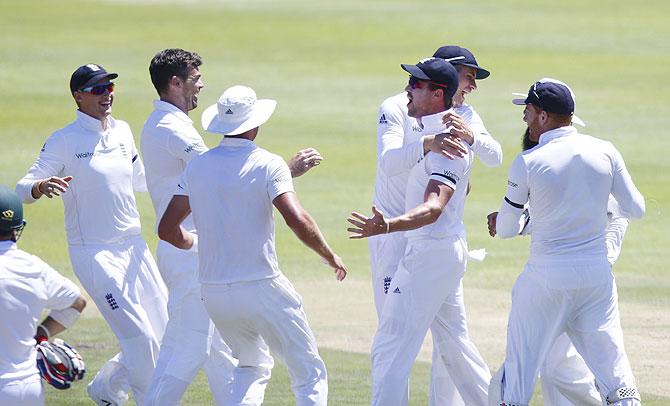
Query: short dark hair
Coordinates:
[448,102]
[171,62]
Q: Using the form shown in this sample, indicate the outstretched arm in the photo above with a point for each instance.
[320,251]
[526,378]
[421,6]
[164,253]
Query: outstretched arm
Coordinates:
[303,161]
[436,197]
[307,231]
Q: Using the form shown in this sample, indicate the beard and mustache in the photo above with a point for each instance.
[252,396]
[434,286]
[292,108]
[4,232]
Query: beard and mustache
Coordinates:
[526,142]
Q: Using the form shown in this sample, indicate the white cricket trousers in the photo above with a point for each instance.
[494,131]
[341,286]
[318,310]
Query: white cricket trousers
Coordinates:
[579,298]
[22,392]
[123,281]
[261,316]
[566,380]
[386,253]
[191,341]
[426,292]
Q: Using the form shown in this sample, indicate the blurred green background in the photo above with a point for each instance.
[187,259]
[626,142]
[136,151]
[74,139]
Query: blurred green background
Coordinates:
[330,64]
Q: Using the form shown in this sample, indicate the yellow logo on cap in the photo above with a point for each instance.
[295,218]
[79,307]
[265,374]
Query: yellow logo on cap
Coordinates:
[8,215]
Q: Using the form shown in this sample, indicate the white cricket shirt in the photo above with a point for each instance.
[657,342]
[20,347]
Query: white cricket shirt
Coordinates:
[231,189]
[168,142]
[27,286]
[452,172]
[100,206]
[567,180]
[400,147]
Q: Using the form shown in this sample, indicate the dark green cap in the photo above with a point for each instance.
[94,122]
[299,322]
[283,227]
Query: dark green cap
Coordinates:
[11,210]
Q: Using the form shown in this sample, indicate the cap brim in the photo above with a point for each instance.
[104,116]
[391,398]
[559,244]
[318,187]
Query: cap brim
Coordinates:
[262,112]
[520,100]
[414,71]
[481,72]
[96,78]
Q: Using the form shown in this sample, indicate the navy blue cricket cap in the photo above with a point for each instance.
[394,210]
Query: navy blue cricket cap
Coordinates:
[87,75]
[461,56]
[435,70]
[551,96]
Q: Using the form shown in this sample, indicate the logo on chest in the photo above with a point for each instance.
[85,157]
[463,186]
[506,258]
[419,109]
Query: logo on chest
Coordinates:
[90,154]
[81,155]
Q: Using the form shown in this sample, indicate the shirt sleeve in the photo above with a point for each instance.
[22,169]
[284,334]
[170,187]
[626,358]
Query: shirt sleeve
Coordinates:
[629,198]
[512,207]
[486,148]
[50,162]
[279,178]
[61,292]
[185,143]
[182,186]
[395,157]
[616,230]
[451,172]
[139,176]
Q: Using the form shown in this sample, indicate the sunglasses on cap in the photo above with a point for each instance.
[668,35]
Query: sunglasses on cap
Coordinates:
[416,83]
[99,89]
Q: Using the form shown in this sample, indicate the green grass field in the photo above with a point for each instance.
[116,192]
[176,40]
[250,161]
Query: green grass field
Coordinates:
[330,64]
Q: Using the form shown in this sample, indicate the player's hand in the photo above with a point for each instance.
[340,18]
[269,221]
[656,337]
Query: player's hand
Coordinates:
[367,226]
[53,186]
[459,127]
[303,161]
[448,145]
[338,267]
[491,222]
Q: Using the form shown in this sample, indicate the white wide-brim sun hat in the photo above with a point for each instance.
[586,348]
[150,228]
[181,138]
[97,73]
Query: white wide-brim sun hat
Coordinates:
[237,111]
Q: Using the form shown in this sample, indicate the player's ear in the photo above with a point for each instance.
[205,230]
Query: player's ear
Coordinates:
[77,98]
[176,81]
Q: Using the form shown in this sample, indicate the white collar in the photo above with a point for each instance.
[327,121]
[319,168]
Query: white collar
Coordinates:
[171,108]
[433,123]
[93,124]
[236,142]
[557,133]
[7,245]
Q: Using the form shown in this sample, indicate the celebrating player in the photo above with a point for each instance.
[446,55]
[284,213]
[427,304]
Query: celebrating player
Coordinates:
[567,284]
[168,142]
[401,142]
[231,190]
[27,287]
[566,379]
[93,164]
[427,291]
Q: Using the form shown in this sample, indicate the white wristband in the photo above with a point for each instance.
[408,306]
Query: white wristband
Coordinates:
[66,316]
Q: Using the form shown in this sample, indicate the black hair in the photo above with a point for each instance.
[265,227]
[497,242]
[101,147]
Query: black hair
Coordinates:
[171,62]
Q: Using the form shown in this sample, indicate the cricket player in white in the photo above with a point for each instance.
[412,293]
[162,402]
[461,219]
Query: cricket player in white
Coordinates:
[168,142]
[401,143]
[426,291]
[27,286]
[231,190]
[566,379]
[94,165]
[567,284]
